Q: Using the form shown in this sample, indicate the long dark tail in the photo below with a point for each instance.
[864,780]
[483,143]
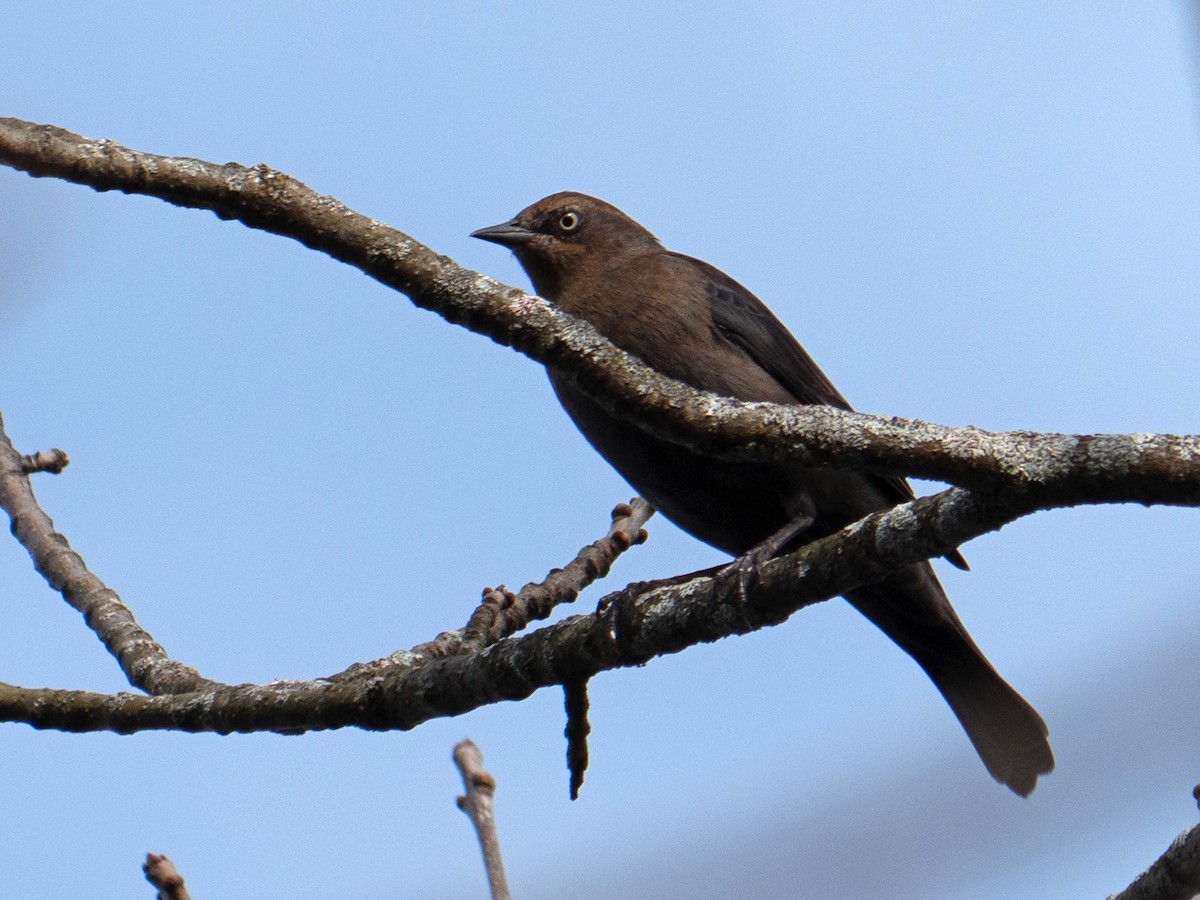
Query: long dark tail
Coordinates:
[1010,737]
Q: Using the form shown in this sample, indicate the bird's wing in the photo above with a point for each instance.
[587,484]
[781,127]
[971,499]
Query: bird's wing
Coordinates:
[746,322]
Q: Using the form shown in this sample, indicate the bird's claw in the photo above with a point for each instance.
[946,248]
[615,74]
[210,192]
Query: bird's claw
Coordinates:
[748,568]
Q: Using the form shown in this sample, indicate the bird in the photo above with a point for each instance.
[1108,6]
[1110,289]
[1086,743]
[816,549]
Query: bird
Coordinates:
[690,321]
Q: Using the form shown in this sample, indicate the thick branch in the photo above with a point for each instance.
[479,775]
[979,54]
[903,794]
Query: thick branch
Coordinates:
[1010,475]
[1173,876]
[142,659]
[1111,468]
[630,627]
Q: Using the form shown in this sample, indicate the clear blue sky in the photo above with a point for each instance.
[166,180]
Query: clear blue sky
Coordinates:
[969,213]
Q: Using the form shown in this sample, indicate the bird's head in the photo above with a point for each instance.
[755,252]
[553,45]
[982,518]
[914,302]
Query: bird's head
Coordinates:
[566,235]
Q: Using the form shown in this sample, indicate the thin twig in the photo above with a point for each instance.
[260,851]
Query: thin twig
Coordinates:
[479,805]
[142,659]
[161,873]
[503,613]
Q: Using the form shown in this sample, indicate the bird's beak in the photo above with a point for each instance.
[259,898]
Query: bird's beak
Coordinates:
[506,234]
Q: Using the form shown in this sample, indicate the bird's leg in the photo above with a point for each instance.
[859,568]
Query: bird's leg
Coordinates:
[747,565]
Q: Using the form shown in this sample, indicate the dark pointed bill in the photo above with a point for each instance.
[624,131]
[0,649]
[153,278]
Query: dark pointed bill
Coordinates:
[507,234]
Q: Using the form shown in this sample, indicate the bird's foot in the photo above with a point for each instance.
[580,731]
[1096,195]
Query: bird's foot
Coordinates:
[748,565]
[748,568]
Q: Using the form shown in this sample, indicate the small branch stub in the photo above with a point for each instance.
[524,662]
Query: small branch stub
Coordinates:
[479,805]
[578,728]
[161,873]
[52,461]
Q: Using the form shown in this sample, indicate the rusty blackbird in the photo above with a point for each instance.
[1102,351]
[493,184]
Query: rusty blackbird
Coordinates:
[692,322]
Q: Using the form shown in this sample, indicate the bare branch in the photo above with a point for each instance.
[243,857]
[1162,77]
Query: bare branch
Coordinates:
[479,805]
[503,613]
[631,627]
[1173,876]
[1135,468]
[161,873]
[1006,476]
[142,659]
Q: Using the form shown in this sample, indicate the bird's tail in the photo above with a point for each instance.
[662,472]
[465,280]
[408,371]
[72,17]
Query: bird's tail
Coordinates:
[1008,734]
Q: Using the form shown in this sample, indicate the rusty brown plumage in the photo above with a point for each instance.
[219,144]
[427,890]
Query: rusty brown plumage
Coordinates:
[692,322]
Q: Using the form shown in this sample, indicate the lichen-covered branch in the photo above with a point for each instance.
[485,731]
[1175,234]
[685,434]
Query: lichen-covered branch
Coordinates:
[142,659]
[1001,476]
[202,705]
[629,628]
[1112,468]
[503,613]
[1173,876]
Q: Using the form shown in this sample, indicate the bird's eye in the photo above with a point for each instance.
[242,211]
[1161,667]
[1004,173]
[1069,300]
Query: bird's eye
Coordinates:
[568,221]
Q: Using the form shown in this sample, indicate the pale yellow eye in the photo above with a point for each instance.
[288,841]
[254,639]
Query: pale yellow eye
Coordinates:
[568,221]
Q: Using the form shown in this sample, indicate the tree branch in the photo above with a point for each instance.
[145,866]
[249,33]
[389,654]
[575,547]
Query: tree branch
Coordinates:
[503,613]
[629,628]
[142,659]
[1137,468]
[479,806]
[1173,876]
[1003,476]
